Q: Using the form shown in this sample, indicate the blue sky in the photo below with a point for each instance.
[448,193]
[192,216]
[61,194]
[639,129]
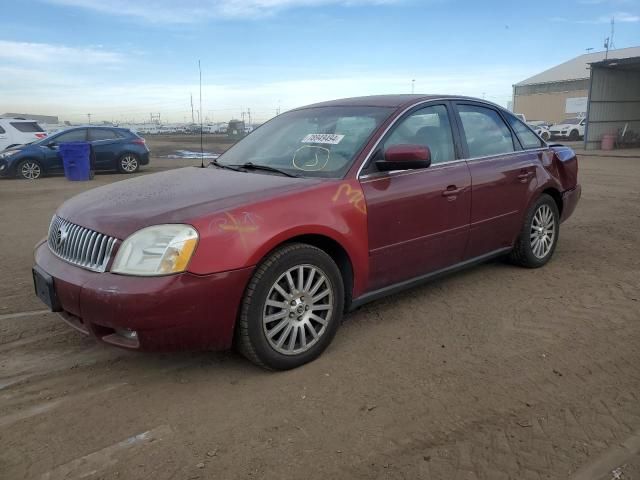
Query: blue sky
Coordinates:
[122,59]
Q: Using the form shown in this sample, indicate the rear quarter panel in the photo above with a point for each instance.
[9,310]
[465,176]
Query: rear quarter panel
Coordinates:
[241,237]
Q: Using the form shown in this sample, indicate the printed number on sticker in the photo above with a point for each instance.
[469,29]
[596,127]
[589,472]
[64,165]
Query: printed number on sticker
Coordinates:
[327,138]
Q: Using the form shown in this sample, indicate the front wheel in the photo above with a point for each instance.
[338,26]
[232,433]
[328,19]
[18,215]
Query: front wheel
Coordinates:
[29,170]
[574,135]
[292,308]
[539,235]
[128,163]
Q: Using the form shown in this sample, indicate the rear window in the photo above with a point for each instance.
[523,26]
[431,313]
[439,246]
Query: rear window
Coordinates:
[102,134]
[27,127]
[527,138]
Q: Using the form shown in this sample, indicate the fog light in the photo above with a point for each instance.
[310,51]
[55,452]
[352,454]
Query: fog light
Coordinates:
[128,334]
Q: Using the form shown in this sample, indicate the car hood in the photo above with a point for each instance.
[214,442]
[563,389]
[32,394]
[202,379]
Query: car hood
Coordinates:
[175,196]
[561,126]
[18,148]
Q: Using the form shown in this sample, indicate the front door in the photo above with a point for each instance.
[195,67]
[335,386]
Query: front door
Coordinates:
[52,159]
[503,174]
[418,220]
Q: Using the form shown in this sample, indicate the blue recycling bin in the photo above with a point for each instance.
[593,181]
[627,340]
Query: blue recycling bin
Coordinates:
[76,160]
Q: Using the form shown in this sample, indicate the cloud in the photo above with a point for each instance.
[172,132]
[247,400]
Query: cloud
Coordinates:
[126,101]
[47,53]
[620,17]
[192,11]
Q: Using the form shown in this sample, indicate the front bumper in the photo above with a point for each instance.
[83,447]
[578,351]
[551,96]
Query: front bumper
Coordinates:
[4,168]
[175,312]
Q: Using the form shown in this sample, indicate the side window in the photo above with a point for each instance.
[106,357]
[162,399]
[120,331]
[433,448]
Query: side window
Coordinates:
[428,126]
[485,131]
[101,134]
[72,136]
[2,130]
[528,139]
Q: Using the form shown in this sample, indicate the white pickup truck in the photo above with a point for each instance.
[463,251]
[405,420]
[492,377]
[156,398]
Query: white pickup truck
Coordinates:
[571,128]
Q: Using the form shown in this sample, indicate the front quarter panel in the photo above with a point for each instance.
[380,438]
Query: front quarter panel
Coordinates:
[243,236]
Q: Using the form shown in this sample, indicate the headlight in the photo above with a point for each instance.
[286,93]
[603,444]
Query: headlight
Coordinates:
[157,250]
[8,154]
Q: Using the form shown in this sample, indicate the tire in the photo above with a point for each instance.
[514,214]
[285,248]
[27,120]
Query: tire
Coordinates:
[574,135]
[546,136]
[535,247]
[128,163]
[29,170]
[275,312]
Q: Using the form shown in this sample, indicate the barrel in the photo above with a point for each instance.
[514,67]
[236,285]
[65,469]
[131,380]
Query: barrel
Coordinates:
[608,141]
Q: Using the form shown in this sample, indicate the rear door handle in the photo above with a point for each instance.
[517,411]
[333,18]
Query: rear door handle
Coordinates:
[451,191]
[525,176]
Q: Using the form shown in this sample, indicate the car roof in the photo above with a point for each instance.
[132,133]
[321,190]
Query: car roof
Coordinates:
[391,101]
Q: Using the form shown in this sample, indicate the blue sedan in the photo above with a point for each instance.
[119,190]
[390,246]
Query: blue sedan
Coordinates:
[113,149]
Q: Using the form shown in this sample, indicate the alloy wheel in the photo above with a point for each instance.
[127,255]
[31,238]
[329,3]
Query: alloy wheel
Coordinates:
[298,309]
[30,170]
[129,163]
[543,231]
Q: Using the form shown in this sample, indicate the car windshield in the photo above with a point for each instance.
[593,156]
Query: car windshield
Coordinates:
[312,142]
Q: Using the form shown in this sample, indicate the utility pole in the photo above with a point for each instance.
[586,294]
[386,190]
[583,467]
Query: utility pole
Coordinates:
[192,117]
[89,117]
[413,86]
[249,114]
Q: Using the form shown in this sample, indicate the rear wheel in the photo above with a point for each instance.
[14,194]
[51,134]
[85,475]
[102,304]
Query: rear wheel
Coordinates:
[292,308]
[539,236]
[128,163]
[29,170]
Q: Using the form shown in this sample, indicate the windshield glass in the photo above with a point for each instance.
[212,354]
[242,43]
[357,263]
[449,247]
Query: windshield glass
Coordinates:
[313,142]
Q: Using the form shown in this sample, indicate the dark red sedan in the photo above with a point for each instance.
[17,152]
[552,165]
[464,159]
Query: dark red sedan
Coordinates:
[318,211]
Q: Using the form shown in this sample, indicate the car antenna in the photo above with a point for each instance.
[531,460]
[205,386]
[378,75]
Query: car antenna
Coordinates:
[201,149]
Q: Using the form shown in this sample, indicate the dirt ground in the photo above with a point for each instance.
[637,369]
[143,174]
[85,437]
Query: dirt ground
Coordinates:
[493,373]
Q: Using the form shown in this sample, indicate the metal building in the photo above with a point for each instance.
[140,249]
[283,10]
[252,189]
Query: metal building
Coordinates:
[614,103]
[561,91]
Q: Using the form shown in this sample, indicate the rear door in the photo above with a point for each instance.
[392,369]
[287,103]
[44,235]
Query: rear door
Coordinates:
[503,176]
[105,143]
[418,220]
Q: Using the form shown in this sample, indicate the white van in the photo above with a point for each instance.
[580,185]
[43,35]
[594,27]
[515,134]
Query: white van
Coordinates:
[18,131]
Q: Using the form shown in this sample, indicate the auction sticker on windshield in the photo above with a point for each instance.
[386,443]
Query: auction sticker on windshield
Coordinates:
[327,138]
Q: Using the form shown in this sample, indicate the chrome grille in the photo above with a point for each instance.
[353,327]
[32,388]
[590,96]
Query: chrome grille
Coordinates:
[80,246]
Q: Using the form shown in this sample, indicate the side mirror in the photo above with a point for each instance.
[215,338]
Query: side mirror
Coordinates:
[405,157]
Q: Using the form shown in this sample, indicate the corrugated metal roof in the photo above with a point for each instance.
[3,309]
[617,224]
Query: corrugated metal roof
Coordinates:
[578,68]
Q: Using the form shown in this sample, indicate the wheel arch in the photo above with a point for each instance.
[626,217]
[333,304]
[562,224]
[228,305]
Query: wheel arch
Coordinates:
[331,247]
[16,163]
[557,197]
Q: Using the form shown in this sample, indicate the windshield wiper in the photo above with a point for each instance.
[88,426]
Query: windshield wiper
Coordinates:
[266,168]
[223,165]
